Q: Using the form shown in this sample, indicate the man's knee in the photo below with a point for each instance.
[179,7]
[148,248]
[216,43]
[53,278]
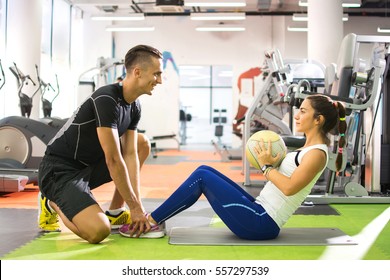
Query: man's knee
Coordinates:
[143,143]
[92,224]
[99,236]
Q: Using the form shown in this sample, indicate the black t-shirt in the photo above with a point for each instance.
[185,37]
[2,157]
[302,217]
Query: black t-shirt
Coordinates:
[106,107]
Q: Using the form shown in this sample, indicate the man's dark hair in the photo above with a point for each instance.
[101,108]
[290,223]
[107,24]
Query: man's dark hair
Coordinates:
[140,54]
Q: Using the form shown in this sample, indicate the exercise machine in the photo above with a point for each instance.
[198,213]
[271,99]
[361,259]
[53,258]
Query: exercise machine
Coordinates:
[226,153]
[25,101]
[106,71]
[23,142]
[184,118]
[362,89]
[47,105]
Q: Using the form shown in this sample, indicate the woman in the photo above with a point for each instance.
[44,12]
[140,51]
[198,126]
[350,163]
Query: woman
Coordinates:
[262,217]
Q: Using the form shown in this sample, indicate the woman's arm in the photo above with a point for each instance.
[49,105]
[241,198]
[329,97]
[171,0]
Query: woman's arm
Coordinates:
[312,163]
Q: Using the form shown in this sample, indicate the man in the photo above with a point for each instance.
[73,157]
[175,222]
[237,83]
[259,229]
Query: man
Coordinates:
[98,145]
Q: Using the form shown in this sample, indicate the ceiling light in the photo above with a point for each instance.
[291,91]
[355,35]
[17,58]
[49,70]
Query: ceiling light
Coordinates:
[122,17]
[304,17]
[300,17]
[303,3]
[351,3]
[117,28]
[218,16]
[222,28]
[224,3]
[383,30]
[297,29]
[344,4]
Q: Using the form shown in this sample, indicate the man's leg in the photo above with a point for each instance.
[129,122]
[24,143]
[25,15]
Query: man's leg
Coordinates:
[91,224]
[68,195]
[144,148]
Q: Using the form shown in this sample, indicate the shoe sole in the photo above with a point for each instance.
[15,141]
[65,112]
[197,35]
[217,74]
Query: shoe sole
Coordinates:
[146,235]
[49,230]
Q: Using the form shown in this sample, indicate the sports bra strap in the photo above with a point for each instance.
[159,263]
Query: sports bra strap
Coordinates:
[296,158]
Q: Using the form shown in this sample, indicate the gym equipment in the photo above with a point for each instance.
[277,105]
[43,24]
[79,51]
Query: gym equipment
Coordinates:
[23,142]
[25,101]
[106,71]
[2,78]
[288,236]
[10,183]
[162,137]
[184,118]
[226,153]
[277,144]
[47,105]
[359,88]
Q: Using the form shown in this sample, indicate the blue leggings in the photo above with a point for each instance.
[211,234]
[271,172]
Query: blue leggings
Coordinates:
[237,209]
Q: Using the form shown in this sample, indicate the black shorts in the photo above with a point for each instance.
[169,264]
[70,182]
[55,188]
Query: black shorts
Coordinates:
[69,183]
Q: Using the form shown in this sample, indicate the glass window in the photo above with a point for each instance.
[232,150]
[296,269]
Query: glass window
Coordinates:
[206,93]
[222,76]
[46,26]
[61,31]
[195,76]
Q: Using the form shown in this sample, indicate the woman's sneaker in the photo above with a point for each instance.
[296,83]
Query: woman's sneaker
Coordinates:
[47,219]
[120,219]
[156,231]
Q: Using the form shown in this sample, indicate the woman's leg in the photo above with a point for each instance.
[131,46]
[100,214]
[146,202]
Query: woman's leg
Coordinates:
[229,181]
[238,211]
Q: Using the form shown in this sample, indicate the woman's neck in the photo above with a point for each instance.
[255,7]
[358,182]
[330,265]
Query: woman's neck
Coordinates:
[314,138]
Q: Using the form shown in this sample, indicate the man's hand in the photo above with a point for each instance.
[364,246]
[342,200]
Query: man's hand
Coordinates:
[140,223]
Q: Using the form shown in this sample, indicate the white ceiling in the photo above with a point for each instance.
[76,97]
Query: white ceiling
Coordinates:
[270,7]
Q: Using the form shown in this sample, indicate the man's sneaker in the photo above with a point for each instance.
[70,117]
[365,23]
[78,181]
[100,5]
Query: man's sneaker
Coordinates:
[47,219]
[120,219]
[156,231]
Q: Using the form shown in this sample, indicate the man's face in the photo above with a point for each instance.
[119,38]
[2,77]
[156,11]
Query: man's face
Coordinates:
[151,76]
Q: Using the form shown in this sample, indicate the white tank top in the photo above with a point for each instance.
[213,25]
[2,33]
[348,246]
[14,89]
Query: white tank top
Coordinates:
[279,206]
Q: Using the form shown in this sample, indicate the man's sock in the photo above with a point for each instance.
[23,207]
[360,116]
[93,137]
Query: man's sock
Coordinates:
[116,211]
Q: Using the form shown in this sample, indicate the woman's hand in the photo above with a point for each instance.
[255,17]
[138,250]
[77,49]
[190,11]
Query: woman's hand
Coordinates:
[263,152]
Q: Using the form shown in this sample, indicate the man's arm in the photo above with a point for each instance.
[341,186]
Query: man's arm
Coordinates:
[118,168]
[129,144]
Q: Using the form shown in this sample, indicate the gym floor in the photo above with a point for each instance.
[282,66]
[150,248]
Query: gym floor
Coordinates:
[21,239]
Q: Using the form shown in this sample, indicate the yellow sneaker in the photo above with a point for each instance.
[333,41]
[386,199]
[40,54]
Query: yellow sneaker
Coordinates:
[120,219]
[47,219]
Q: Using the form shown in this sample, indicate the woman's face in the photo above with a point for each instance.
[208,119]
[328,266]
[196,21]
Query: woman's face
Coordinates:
[304,118]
